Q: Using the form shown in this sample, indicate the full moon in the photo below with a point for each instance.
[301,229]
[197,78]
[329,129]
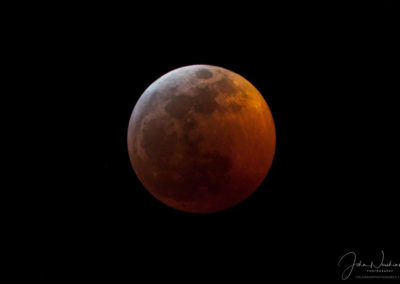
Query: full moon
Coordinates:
[201,139]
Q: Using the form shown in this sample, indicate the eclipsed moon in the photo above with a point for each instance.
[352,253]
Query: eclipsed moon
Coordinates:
[201,139]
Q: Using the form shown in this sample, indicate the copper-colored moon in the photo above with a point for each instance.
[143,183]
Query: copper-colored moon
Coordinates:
[201,139]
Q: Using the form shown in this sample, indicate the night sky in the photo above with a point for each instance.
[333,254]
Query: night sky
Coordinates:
[325,70]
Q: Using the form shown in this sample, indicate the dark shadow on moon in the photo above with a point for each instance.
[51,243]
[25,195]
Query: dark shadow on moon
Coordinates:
[201,175]
[191,142]
[204,74]
[226,86]
[179,106]
[210,172]
[235,107]
[156,142]
[202,102]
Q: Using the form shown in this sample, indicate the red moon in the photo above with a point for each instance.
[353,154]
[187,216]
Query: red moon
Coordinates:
[201,139]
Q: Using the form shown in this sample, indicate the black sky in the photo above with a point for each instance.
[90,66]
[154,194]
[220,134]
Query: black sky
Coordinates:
[326,71]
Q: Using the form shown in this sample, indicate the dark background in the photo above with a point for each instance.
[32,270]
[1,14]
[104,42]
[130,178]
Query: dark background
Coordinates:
[325,69]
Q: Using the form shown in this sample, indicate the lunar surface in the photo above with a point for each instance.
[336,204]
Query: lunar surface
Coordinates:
[201,139]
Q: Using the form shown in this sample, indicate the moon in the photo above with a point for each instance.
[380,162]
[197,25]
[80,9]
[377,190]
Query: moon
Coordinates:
[201,139]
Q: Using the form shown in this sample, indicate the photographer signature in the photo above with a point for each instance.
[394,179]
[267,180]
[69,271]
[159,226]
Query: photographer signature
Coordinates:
[352,256]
